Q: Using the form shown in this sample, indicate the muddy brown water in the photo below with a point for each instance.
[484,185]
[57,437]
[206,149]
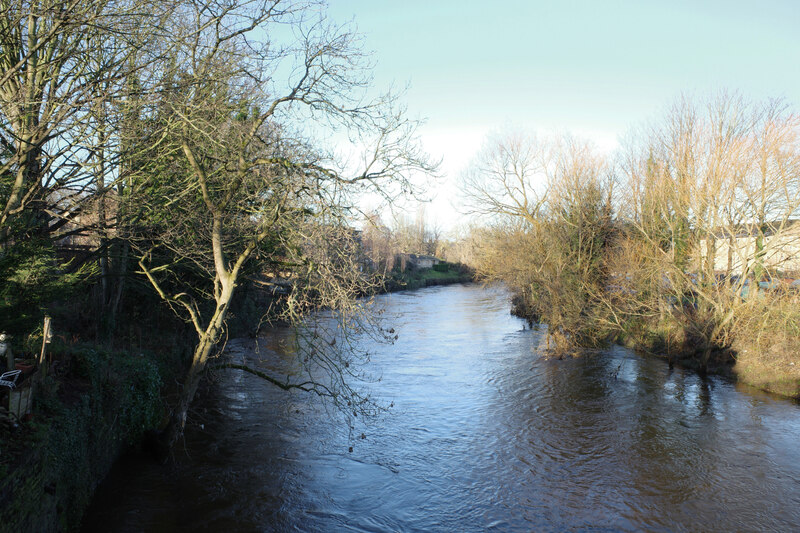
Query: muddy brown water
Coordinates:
[485,435]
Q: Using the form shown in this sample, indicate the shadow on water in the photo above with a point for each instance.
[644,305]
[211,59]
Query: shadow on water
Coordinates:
[485,435]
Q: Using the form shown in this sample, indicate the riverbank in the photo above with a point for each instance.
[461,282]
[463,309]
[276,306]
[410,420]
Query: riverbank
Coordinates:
[92,406]
[486,434]
[768,360]
[445,274]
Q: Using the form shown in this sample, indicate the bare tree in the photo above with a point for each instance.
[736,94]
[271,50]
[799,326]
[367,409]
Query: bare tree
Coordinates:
[550,202]
[66,67]
[233,176]
[707,185]
[62,63]
[508,177]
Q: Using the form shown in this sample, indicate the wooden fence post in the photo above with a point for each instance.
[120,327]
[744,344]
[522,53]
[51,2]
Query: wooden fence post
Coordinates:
[45,340]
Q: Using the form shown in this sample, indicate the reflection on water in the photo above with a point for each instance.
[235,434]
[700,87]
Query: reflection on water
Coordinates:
[484,435]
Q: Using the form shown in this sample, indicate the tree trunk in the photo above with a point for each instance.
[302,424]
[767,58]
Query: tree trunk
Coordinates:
[208,340]
[177,421]
[120,275]
[731,244]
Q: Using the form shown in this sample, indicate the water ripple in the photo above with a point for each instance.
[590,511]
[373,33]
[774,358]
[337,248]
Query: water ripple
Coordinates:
[486,435]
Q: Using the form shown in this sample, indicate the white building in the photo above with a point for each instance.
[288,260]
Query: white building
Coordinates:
[781,248]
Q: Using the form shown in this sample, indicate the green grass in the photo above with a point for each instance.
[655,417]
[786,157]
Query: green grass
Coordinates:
[417,279]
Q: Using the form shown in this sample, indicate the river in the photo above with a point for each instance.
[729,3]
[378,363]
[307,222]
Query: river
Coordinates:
[484,435]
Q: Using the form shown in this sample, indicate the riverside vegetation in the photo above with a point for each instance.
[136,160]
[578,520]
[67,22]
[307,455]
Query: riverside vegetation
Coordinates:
[685,245]
[158,158]
[170,176]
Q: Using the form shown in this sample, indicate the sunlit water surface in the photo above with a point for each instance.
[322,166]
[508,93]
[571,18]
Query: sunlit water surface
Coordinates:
[484,435]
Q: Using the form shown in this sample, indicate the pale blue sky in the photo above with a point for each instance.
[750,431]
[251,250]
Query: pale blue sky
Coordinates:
[594,68]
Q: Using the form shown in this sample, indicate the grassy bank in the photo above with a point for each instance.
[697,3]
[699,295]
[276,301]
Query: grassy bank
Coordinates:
[766,344]
[760,347]
[418,278]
